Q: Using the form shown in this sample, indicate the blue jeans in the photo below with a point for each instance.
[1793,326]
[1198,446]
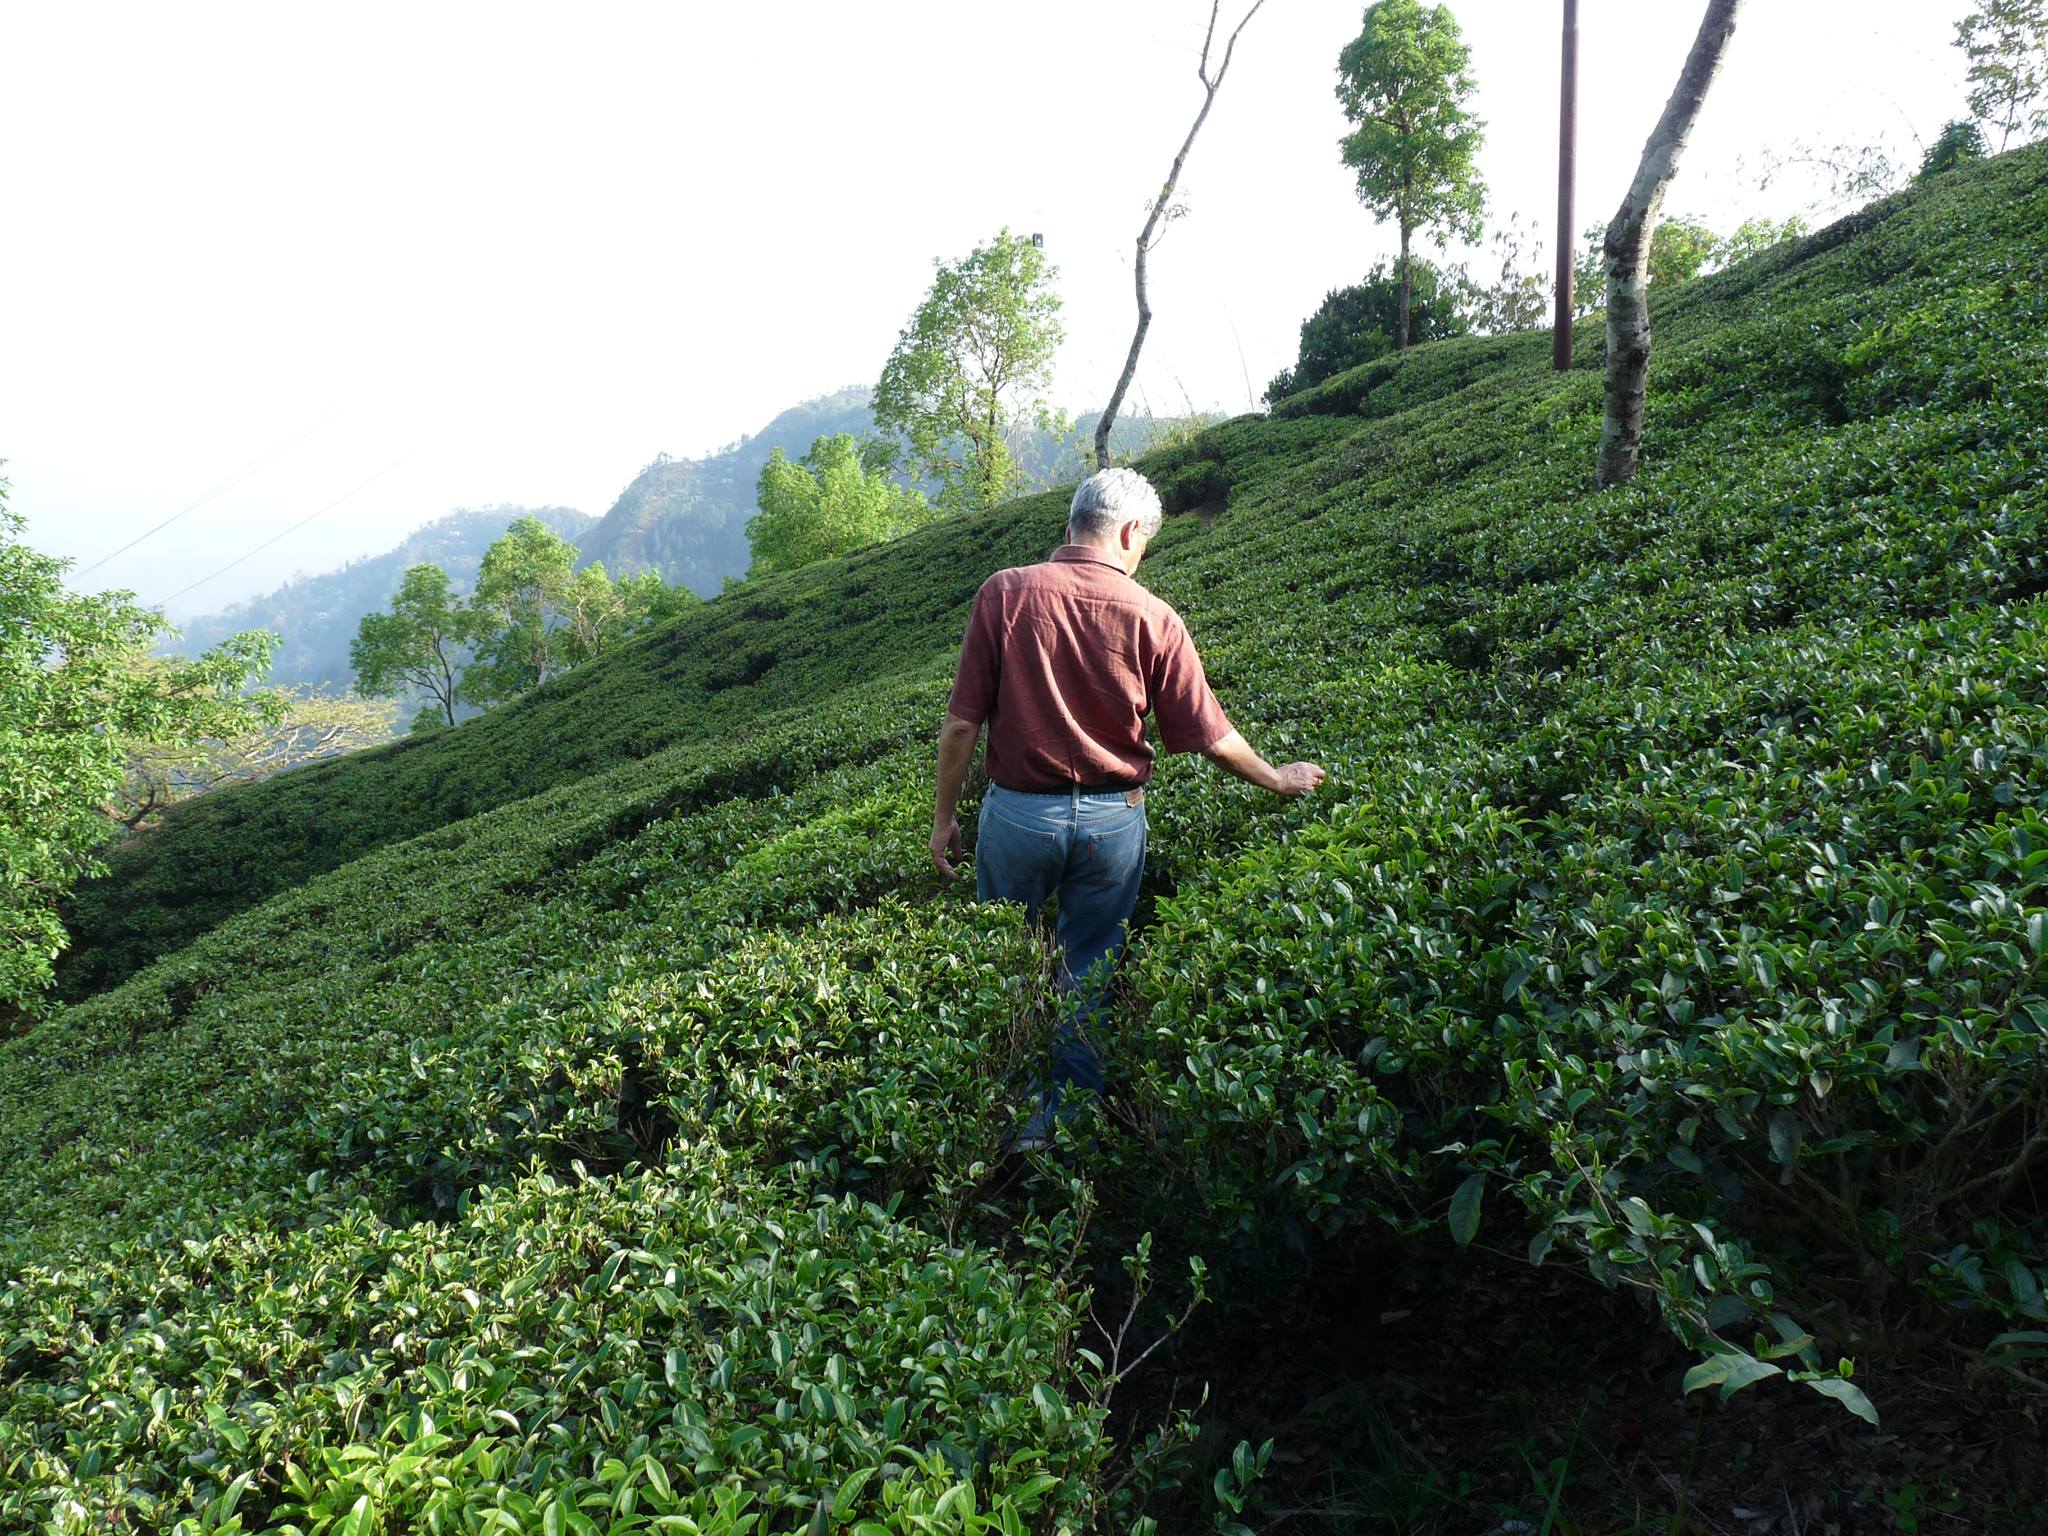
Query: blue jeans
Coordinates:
[1091,850]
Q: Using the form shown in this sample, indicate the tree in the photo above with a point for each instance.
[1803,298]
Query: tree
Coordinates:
[1404,82]
[419,645]
[522,603]
[832,501]
[1753,237]
[1354,325]
[1680,250]
[77,687]
[1959,141]
[1163,211]
[2007,45]
[975,357]
[1627,248]
[306,726]
[650,602]
[1519,298]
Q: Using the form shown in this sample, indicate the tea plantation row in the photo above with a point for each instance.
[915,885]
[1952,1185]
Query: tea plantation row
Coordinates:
[620,1153]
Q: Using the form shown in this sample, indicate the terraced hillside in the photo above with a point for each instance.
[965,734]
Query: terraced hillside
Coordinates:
[585,1120]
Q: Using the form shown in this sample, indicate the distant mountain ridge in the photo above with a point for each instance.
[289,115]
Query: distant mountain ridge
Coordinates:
[685,518]
[317,616]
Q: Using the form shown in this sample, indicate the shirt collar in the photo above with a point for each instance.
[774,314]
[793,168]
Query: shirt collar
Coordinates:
[1082,554]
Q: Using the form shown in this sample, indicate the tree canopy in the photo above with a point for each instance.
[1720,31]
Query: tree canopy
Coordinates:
[533,616]
[834,500]
[1405,83]
[2006,42]
[522,602]
[78,688]
[975,358]
[1681,249]
[1958,141]
[420,646]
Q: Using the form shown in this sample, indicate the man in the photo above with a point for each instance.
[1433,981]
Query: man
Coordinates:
[1063,661]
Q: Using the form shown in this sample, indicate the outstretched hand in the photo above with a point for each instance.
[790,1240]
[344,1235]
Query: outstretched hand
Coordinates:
[1299,779]
[946,847]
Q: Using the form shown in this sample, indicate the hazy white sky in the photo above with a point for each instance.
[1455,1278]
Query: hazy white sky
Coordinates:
[507,253]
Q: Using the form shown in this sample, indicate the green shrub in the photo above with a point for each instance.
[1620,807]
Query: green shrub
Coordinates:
[593,1355]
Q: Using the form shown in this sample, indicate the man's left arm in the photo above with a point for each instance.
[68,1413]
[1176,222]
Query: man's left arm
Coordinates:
[1190,720]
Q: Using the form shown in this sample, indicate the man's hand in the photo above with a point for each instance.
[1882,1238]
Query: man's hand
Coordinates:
[1233,754]
[946,847]
[1298,779]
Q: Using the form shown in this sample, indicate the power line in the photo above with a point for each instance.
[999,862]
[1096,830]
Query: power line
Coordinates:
[286,533]
[232,480]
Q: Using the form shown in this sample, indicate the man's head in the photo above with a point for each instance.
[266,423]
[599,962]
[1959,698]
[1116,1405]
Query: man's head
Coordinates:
[1115,510]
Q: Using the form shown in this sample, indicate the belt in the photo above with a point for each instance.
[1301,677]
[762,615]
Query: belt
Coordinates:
[1075,786]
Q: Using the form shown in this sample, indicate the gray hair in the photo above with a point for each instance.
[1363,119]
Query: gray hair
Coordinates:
[1108,499]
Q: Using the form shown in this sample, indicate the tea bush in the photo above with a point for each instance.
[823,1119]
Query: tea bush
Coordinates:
[1675,909]
[604,1355]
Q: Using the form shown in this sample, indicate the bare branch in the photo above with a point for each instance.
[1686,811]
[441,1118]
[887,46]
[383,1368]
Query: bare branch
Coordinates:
[1147,237]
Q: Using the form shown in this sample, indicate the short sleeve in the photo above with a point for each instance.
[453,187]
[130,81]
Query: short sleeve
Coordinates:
[974,681]
[1190,719]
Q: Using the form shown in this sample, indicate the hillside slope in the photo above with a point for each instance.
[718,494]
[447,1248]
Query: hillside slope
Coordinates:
[617,1143]
[779,645]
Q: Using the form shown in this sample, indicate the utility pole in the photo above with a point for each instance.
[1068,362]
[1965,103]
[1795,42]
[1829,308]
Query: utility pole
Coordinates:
[1567,167]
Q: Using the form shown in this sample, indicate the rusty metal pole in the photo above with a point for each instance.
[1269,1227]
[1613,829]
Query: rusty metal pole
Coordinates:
[1567,169]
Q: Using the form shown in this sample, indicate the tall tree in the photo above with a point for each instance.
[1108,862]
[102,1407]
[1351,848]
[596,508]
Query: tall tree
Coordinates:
[420,645]
[1405,82]
[1627,248]
[521,605]
[648,601]
[832,501]
[2006,42]
[594,614]
[974,359]
[77,688]
[1162,211]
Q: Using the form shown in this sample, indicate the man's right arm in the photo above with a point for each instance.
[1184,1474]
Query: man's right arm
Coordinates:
[957,738]
[972,700]
[1234,755]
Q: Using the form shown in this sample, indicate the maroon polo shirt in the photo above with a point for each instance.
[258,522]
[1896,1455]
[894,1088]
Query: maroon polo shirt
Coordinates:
[1064,660]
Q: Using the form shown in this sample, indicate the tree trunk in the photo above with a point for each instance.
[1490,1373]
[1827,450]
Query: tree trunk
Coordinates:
[988,456]
[1149,235]
[445,692]
[1627,248]
[1407,294]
